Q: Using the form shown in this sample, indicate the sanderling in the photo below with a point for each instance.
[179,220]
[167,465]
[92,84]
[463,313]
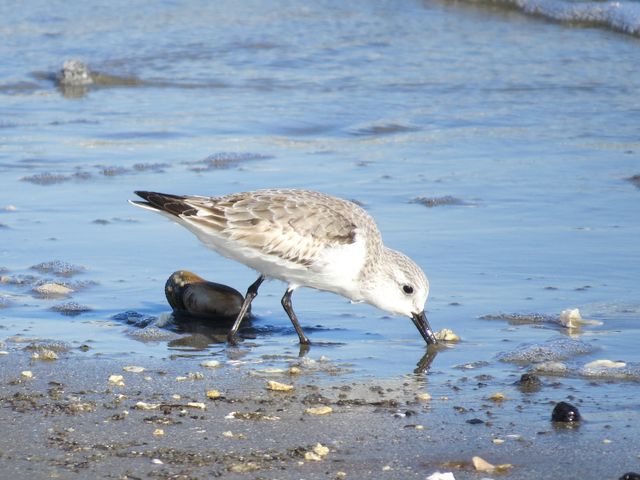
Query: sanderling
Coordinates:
[306,239]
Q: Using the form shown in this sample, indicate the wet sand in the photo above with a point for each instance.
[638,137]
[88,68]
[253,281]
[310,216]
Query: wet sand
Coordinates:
[70,421]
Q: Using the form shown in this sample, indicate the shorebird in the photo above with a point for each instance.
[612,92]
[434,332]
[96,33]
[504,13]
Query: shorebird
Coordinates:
[305,239]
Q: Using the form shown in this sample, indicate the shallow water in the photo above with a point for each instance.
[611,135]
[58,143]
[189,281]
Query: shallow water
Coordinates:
[528,129]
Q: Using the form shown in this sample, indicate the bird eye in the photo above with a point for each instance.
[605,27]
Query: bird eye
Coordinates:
[408,289]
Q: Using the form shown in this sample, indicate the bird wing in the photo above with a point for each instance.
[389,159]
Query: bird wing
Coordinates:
[293,225]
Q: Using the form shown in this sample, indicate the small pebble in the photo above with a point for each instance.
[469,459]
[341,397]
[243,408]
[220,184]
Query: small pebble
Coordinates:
[423,397]
[213,394]
[117,380]
[529,382]
[498,441]
[157,461]
[158,432]
[279,387]
[498,397]
[26,374]
[210,364]
[199,405]
[446,335]
[133,369]
[565,412]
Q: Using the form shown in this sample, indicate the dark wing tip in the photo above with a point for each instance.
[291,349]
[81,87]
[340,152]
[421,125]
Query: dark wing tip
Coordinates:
[174,204]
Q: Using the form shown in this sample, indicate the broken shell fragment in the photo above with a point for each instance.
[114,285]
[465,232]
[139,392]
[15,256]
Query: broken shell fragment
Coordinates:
[191,295]
[317,453]
[481,465]
[213,394]
[605,364]
[146,406]
[323,410]
[210,364]
[117,380]
[447,335]
[133,369]
[278,387]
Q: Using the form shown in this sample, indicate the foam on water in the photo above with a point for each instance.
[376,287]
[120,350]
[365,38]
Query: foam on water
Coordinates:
[549,351]
[621,17]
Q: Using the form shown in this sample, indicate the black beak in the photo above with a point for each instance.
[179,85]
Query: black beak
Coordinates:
[422,324]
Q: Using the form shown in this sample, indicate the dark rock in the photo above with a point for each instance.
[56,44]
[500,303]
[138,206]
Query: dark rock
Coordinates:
[566,413]
[475,421]
[529,382]
[630,476]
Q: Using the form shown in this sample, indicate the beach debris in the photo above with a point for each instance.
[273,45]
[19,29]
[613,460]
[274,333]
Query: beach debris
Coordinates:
[74,73]
[190,294]
[212,394]
[571,318]
[26,374]
[133,369]
[317,453]
[566,413]
[44,354]
[158,432]
[498,397]
[146,406]
[279,387]
[529,382]
[157,461]
[498,441]
[551,368]
[322,410]
[441,476]
[481,465]
[603,364]
[251,416]
[423,397]
[117,380]
[190,376]
[197,405]
[51,289]
[210,364]
[447,335]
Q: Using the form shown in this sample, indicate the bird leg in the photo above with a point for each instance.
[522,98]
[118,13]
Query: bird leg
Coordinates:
[286,303]
[252,291]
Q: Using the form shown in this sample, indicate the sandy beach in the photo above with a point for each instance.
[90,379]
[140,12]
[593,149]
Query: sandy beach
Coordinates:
[82,416]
